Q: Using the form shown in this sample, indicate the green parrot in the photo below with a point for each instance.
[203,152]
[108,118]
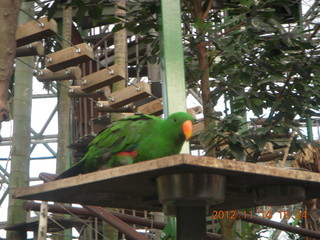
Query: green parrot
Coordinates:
[134,139]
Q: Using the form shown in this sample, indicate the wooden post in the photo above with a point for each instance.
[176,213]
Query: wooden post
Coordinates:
[64,113]
[31,49]
[72,73]
[9,11]
[19,174]
[120,52]
[77,92]
[43,221]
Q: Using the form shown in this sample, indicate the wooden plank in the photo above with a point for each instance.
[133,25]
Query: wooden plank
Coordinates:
[35,30]
[154,107]
[104,106]
[68,57]
[134,186]
[71,73]
[129,94]
[77,92]
[32,49]
[102,78]
[197,128]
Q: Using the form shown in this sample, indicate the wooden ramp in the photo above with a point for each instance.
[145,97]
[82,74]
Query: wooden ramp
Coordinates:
[134,186]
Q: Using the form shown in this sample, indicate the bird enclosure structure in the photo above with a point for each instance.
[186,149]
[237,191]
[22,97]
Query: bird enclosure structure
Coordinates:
[157,59]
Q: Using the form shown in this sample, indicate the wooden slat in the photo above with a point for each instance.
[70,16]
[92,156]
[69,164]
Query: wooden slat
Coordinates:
[197,128]
[72,73]
[154,107]
[129,94]
[34,31]
[134,186]
[104,106]
[77,92]
[102,78]
[32,49]
[68,57]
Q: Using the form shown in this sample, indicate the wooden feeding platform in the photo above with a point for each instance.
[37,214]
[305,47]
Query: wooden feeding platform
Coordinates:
[134,186]
[181,182]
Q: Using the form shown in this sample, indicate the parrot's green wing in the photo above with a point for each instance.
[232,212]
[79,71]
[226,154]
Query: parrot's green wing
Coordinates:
[120,139]
[114,145]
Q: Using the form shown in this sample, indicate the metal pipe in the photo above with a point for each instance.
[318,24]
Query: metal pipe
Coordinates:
[277,225]
[115,222]
[83,212]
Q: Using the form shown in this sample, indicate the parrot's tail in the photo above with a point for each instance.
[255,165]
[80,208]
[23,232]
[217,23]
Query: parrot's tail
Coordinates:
[73,171]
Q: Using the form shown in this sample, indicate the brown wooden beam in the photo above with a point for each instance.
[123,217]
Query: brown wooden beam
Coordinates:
[71,73]
[35,30]
[104,106]
[102,78]
[154,107]
[32,49]
[129,94]
[68,57]
[77,92]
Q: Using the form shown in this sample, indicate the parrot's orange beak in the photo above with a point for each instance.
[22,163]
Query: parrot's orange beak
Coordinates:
[187,129]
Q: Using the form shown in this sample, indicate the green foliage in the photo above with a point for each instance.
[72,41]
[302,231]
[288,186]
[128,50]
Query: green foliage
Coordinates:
[250,231]
[265,69]
[92,9]
[142,19]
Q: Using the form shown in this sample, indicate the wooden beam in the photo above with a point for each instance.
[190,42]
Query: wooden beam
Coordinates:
[129,94]
[197,128]
[71,56]
[35,30]
[71,73]
[77,92]
[104,106]
[155,107]
[102,78]
[32,49]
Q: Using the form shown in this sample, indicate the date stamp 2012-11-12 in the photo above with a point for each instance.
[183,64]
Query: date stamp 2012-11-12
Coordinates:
[233,214]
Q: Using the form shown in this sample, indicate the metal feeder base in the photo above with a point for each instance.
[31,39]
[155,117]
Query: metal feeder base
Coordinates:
[190,189]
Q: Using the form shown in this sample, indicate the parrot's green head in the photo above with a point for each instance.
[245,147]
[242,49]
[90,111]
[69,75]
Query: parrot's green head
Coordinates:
[179,125]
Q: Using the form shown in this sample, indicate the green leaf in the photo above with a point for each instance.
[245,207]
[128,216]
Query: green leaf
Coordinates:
[117,27]
[247,3]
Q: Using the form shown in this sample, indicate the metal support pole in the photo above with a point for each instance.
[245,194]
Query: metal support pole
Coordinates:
[191,222]
[172,60]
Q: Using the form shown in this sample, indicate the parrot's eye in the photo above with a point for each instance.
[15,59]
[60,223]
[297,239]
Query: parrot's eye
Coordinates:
[174,119]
